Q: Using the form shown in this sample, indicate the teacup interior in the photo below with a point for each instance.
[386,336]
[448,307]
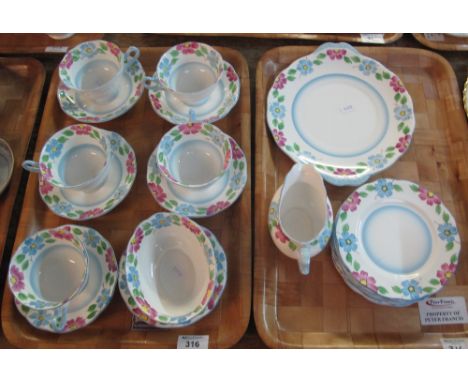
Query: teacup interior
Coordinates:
[57,272]
[81,163]
[95,73]
[195,162]
[173,271]
[192,77]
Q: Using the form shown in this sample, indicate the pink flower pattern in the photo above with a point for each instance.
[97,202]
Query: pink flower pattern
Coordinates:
[446,272]
[352,202]
[81,129]
[142,316]
[279,234]
[45,171]
[280,82]
[403,143]
[217,207]
[231,74]
[236,151]
[91,213]
[155,101]
[428,196]
[364,279]
[67,61]
[136,240]
[158,192]
[146,308]
[110,260]
[16,279]
[74,324]
[279,137]
[192,227]
[113,49]
[336,54]
[62,233]
[190,128]
[44,186]
[396,84]
[187,47]
[344,171]
[131,163]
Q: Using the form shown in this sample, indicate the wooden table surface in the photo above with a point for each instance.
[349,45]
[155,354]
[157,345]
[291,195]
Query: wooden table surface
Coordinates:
[252,49]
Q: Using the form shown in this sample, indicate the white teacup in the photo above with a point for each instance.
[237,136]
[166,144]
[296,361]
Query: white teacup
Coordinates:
[94,70]
[194,155]
[77,157]
[170,268]
[48,269]
[190,71]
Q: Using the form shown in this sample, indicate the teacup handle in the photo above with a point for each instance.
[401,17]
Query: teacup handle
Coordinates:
[58,323]
[305,254]
[31,166]
[154,83]
[131,55]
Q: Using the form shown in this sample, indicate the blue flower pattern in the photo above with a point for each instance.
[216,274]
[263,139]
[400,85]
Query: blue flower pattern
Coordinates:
[32,245]
[277,110]
[348,242]
[368,67]
[54,148]
[103,298]
[185,209]
[402,113]
[377,161]
[88,49]
[304,66]
[165,67]
[324,238]
[41,318]
[91,238]
[132,277]
[160,221]
[62,208]
[411,288]
[114,141]
[236,180]
[447,232]
[384,189]
[166,144]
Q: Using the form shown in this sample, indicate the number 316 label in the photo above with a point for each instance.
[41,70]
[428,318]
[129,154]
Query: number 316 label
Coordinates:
[193,342]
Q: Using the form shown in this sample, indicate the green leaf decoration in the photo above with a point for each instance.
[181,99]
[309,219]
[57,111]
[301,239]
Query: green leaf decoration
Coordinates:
[363,194]
[19,259]
[370,188]
[428,289]
[343,215]
[347,60]
[406,130]
[378,76]
[317,62]
[382,290]
[345,228]
[56,198]
[22,296]
[397,188]
[121,152]
[163,318]
[386,75]
[99,250]
[356,266]
[453,259]
[281,98]
[62,139]
[446,217]
[414,188]
[349,258]
[91,315]
[356,59]
[438,209]
[434,281]
[389,155]
[25,265]
[131,258]
[321,55]
[449,246]
[403,100]
[68,133]
[296,147]
[92,307]
[77,231]
[45,158]
[220,278]
[397,289]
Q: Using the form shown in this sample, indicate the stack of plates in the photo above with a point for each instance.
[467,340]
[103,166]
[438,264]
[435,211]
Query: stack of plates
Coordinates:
[395,242]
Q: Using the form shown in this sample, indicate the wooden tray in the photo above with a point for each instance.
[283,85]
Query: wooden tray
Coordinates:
[442,41]
[41,42]
[319,310]
[21,82]
[142,128]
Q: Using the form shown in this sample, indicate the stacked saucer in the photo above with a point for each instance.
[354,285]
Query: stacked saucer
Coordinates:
[173,272]
[395,242]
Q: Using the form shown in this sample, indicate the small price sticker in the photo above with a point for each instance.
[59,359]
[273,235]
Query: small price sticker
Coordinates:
[193,342]
[56,49]
[454,343]
[373,38]
[434,36]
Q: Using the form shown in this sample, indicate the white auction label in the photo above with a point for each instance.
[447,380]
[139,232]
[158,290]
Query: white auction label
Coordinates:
[434,36]
[374,38]
[193,342]
[443,311]
[454,343]
[56,49]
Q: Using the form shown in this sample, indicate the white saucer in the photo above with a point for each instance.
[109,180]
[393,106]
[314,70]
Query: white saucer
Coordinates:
[85,110]
[90,303]
[199,203]
[220,283]
[80,205]
[218,105]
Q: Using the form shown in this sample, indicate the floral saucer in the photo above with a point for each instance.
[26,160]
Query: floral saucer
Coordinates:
[218,105]
[282,242]
[79,205]
[200,203]
[343,112]
[130,92]
[90,303]
[220,283]
[397,240]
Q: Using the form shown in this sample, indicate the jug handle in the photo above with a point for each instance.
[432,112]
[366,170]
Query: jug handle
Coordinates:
[305,253]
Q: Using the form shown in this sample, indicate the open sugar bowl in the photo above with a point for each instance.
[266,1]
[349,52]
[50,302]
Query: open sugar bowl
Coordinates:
[194,156]
[48,269]
[94,70]
[170,268]
[77,157]
[190,71]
